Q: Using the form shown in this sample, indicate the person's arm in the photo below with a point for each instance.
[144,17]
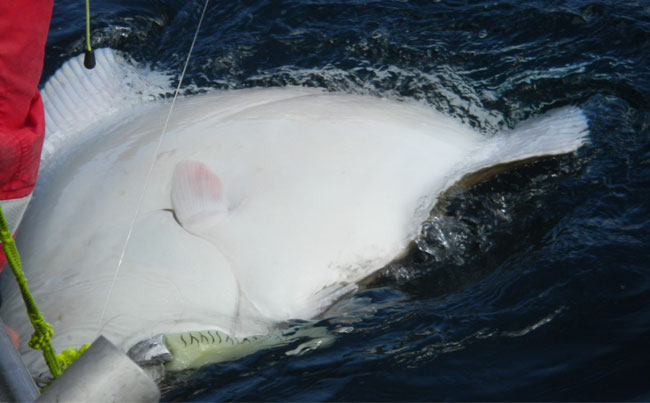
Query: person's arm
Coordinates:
[23,31]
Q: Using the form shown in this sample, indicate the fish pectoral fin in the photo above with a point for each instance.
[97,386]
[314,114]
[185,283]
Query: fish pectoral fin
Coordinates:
[198,196]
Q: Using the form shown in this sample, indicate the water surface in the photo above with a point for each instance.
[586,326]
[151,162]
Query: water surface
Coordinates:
[534,285]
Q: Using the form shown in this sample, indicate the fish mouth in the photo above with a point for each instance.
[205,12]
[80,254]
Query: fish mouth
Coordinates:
[194,349]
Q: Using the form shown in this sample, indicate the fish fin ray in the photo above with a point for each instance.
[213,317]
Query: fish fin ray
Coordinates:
[75,97]
[560,131]
[197,196]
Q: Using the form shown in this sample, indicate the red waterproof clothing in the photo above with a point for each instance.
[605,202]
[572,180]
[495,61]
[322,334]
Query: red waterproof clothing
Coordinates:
[23,31]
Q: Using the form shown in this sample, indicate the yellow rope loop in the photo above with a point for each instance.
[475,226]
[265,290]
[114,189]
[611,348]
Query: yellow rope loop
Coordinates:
[70,355]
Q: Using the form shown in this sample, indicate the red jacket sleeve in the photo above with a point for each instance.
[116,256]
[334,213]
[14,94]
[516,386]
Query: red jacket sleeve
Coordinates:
[23,31]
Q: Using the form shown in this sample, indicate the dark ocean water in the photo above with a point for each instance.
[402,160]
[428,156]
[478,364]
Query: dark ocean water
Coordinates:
[534,285]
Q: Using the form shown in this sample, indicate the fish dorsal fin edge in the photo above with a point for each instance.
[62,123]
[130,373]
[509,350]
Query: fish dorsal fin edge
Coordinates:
[75,97]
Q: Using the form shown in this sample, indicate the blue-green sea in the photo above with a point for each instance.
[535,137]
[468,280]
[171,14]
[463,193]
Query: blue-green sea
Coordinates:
[531,286]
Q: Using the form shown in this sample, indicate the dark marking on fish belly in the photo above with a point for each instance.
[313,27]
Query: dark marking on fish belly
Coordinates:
[192,338]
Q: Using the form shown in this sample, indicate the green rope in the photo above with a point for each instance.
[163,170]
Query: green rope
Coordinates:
[89,55]
[88,26]
[42,330]
[69,355]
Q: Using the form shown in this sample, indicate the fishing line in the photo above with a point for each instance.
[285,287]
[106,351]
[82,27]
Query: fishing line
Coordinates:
[151,166]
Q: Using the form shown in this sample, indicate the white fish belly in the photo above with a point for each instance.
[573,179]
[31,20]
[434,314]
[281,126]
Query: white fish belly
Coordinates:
[317,191]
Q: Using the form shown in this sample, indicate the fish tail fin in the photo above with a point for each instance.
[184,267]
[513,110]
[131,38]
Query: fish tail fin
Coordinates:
[560,131]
